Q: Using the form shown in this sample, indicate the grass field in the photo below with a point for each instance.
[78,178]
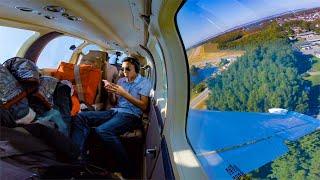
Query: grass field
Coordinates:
[315,79]
[209,53]
[315,70]
[316,64]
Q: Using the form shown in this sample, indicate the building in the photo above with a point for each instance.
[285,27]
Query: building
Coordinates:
[306,35]
[313,38]
[304,45]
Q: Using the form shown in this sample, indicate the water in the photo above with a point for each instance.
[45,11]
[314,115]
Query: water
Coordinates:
[202,74]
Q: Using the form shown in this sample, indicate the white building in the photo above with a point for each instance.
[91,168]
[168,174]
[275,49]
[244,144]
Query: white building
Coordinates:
[306,35]
[312,38]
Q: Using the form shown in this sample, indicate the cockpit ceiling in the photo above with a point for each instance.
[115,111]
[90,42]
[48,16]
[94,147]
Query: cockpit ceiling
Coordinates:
[109,23]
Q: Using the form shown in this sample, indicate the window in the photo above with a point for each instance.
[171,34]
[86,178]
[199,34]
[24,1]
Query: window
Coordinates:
[116,59]
[89,47]
[254,85]
[12,40]
[56,51]
[161,95]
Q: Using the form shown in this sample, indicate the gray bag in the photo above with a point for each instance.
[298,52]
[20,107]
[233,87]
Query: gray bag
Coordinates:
[25,71]
[42,100]
[10,89]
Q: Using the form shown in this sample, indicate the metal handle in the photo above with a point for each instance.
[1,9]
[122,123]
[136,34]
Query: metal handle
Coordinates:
[151,152]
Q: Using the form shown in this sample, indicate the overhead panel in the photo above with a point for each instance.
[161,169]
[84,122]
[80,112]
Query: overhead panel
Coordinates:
[111,24]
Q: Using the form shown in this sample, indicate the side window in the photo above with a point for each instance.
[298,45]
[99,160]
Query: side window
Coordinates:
[162,83]
[254,77]
[57,50]
[11,41]
[161,93]
[116,58]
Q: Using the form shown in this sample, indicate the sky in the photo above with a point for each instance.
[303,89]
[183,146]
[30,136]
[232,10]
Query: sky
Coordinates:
[199,20]
[56,51]
[11,41]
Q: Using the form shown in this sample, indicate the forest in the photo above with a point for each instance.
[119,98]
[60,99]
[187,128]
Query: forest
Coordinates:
[302,161]
[266,76]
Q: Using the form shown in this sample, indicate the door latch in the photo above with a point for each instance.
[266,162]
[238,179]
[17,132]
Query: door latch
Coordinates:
[152,152]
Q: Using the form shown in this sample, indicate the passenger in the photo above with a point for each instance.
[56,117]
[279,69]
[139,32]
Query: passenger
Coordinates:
[132,93]
[111,72]
[111,75]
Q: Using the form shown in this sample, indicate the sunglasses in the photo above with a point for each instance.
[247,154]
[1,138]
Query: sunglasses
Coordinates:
[127,69]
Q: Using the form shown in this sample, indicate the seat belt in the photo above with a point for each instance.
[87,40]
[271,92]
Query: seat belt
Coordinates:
[77,78]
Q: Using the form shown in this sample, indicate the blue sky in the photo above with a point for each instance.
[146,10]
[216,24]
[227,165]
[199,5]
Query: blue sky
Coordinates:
[11,40]
[56,51]
[201,19]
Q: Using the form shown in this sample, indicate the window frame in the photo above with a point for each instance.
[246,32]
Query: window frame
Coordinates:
[164,27]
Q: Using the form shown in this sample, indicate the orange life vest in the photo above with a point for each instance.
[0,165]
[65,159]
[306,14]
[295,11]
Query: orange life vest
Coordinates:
[85,77]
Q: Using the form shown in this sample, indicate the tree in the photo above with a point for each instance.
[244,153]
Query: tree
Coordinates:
[200,87]
[266,76]
[194,70]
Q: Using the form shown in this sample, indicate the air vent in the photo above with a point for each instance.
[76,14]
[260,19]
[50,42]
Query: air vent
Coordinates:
[74,18]
[25,9]
[37,12]
[49,17]
[54,9]
[71,18]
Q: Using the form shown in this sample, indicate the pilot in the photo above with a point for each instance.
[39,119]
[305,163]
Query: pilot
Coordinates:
[131,94]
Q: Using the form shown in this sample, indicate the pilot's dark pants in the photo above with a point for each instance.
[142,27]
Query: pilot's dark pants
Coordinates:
[109,126]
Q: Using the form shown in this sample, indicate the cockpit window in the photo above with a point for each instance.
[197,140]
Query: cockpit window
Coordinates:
[56,51]
[11,41]
[254,69]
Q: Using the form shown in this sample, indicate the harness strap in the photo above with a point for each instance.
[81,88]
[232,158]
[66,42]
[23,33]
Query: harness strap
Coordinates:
[77,78]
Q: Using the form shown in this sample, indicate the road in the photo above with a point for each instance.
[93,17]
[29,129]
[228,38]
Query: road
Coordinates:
[314,73]
[201,97]
[205,93]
